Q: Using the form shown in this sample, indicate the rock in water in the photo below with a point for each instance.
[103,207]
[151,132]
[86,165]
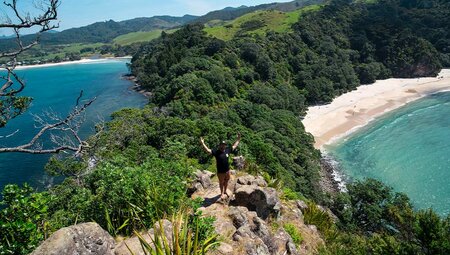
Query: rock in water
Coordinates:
[81,239]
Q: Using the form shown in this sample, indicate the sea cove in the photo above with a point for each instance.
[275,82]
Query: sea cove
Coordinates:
[407,149]
[56,89]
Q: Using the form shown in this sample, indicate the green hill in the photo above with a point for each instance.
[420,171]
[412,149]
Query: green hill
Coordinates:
[141,36]
[230,13]
[258,22]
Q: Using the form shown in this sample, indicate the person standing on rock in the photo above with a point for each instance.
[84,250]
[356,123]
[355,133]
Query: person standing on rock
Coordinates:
[222,155]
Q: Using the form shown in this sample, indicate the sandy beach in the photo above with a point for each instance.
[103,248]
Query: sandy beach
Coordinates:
[353,110]
[81,61]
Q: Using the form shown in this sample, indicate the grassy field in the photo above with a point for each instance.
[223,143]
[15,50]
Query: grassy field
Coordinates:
[50,52]
[259,23]
[140,36]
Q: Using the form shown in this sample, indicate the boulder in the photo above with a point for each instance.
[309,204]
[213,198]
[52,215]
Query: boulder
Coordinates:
[81,239]
[202,181]
[239,162]
[264,201]
[301,205]
[224,249]
[238,216]
[284,243]
[204,177]
[243,232]
[255,247]
[260,228]
[252,180]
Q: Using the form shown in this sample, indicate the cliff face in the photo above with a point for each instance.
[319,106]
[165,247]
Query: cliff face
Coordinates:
[253,220]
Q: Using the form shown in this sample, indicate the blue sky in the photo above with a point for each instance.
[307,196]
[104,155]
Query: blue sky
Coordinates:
[76,13]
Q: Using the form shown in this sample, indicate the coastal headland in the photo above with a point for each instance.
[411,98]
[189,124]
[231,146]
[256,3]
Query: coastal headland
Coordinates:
[353,110]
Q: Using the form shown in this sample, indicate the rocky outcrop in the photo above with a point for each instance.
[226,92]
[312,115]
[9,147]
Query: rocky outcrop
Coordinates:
[249,224]
[81,239]
[255,235]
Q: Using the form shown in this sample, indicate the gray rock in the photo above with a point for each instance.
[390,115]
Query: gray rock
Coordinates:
[81,239]
[301,205]
[264,201]
[260,228]
[204,177]
[284,243]
[252,180]
[238,216]
[313,228]
[224,249]
[243,232]
[239,162]
[298,212]
[202,181]
[256,248]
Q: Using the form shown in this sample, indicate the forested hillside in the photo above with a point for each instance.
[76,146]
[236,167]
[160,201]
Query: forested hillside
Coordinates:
[102,32]
[259,85]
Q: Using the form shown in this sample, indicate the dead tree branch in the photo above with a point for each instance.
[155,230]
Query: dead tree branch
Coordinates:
[61,132]
[70,125]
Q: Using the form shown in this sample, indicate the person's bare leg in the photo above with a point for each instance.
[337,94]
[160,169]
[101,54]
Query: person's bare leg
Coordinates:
[225,183]
[221,178]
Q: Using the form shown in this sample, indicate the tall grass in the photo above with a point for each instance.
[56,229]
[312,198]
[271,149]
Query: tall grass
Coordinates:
[324,223]
[187,238]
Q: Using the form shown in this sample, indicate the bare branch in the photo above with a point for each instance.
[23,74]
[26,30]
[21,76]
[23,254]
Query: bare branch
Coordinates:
[10,104]
[61,132]
[69,124]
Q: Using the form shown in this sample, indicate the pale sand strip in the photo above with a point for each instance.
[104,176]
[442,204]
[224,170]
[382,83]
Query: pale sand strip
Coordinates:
[357,108]
[81,61]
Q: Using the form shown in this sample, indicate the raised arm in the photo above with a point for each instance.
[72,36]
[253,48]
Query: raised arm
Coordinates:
[238,140]
[205,148]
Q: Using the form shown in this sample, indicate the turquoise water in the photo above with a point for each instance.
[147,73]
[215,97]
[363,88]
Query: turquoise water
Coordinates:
[408,149]
[56,89]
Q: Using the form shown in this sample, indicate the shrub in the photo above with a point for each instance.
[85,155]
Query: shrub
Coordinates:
[313,215]
[23,221]
[289,194]
[295,234]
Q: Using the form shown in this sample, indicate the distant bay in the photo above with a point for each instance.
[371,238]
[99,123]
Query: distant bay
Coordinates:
[408,149]
[56,89]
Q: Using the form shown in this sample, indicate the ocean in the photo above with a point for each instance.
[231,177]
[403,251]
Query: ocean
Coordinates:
[408,149]
[55,89]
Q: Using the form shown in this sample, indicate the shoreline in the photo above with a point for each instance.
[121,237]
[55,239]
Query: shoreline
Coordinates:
[355,109]
[136,86]
[81,61]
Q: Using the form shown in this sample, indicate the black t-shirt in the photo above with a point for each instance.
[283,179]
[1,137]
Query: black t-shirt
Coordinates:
[222,163]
